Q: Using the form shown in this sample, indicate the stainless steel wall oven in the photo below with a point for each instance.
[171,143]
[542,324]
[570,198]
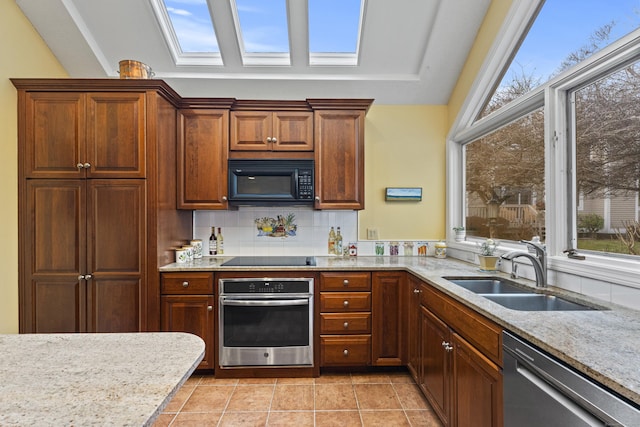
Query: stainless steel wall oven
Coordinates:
[265,322]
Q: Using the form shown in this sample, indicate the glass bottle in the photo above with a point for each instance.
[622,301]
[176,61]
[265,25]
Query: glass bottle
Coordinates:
[332,241]
[220,242]
[338,244]
[213,243]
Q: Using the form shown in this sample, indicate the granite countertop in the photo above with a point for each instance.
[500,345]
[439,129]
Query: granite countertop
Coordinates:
[92,379]
[603,344]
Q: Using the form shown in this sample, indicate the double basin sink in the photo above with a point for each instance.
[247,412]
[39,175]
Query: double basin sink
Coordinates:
[516,297]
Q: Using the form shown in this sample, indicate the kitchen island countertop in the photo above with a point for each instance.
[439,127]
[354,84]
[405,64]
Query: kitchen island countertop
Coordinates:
[603,344]
[92,379]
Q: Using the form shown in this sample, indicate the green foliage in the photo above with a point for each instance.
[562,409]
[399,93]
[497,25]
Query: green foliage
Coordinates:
[590,223]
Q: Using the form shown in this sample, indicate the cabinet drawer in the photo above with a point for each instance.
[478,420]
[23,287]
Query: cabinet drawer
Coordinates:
[345,323]
[485,335]
[192,283]
[348,350]
[359,281]
[345,301]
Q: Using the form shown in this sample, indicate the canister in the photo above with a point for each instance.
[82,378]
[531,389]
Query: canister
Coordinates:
[353,248]
[394,248]
[197,248]
[379,248]
[441,250]
[181,256]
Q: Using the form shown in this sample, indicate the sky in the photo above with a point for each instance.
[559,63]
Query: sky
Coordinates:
[333,26]
[564,26]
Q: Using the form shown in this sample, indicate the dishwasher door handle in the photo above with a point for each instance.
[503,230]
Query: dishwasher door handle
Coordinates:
[558,396]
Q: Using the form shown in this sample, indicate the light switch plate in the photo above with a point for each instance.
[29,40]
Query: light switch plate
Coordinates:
[372,233]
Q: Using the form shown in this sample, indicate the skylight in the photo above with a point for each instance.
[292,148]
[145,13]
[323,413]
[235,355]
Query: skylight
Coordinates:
[188,28]
[261,30]
[334,31]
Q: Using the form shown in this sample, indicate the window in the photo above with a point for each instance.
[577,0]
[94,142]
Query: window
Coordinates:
[564,33]
[607,139]
[334,31]
[505,181]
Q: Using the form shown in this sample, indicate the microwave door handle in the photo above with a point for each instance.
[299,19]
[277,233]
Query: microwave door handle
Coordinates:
[265,303]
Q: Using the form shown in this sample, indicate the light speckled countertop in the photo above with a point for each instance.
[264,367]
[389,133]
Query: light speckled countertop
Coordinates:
[92,379]
[602,344]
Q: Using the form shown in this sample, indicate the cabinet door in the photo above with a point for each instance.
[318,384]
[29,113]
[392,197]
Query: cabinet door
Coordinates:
[193,314]
[250,130]
[292,131]
[53,249]
[116,254]
[54,135]
[339,157]
[387,330]
[435,364]
[115,135]
[203,151]
[413,290]
[477,387]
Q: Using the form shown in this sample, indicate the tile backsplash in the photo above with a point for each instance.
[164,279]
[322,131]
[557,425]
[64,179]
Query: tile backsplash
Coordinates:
[243,235]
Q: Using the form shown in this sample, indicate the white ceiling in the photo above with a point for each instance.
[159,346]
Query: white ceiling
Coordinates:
[412,51]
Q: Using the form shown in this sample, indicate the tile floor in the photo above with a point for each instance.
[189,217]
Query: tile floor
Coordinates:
[351,399]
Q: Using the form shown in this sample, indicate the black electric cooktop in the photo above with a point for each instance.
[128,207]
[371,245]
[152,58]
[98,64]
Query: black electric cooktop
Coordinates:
[270,261]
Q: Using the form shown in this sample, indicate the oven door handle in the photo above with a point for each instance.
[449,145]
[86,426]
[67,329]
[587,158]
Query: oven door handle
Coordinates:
[265,303]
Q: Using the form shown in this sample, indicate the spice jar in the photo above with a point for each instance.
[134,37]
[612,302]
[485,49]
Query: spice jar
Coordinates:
[441,250]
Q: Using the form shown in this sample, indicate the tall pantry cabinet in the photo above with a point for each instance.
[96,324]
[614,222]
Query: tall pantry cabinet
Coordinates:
[97,203]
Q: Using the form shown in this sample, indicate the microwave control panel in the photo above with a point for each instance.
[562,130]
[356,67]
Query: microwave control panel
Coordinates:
[305,184]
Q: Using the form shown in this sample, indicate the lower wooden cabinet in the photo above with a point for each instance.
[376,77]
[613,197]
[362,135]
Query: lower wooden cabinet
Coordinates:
[188,305]
[345,319]
[387,332]
[462,383]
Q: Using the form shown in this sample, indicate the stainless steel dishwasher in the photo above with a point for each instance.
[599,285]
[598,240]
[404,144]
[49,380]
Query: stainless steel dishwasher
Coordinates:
[542,391]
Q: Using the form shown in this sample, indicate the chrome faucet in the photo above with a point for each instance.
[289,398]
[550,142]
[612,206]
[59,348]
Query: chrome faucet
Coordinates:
[539,261]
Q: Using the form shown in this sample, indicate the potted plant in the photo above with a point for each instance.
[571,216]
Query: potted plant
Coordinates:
[488,259]
[460,233]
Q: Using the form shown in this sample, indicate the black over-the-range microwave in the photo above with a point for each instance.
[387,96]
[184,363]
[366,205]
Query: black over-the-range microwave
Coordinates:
[271,182]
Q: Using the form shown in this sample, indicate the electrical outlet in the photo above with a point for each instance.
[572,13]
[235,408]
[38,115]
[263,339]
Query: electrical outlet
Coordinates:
[372,233]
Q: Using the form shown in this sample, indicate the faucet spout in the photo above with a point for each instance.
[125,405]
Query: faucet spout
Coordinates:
[538,262]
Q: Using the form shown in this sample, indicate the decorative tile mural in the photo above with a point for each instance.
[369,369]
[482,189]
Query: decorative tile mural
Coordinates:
[280,226]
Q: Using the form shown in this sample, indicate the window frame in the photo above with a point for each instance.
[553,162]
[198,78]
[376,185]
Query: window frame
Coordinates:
[555,95]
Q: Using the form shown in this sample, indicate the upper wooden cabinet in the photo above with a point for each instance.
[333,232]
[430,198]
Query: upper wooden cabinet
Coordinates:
[339,158]
[203,151]
[93,135]
[271,131]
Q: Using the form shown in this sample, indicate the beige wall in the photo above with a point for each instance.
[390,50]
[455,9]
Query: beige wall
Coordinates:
[486,35]
[405,148]
[24,54]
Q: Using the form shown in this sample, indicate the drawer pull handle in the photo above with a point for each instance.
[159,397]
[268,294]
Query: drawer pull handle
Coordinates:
[346,325]
[345,352]
[345,282]
[185,284]
[209,308]
[346,303]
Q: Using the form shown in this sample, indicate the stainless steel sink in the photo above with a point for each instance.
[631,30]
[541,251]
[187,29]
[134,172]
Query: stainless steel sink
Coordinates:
[514,296]
[535,302]
[488,285]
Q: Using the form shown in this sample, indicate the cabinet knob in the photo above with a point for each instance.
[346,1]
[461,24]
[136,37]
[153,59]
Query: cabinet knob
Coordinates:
[81,277]
[416,291]
[87,277]
[274,139]
[224,198]
[346,303]
[269,139]
[346,325]
[447,346]
[87,165]
[345,282]
[345,352]
[185,284]
[317,198]
[80,166]
[209,308]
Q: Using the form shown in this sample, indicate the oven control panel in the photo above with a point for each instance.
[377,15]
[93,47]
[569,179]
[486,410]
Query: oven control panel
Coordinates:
[266,286]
